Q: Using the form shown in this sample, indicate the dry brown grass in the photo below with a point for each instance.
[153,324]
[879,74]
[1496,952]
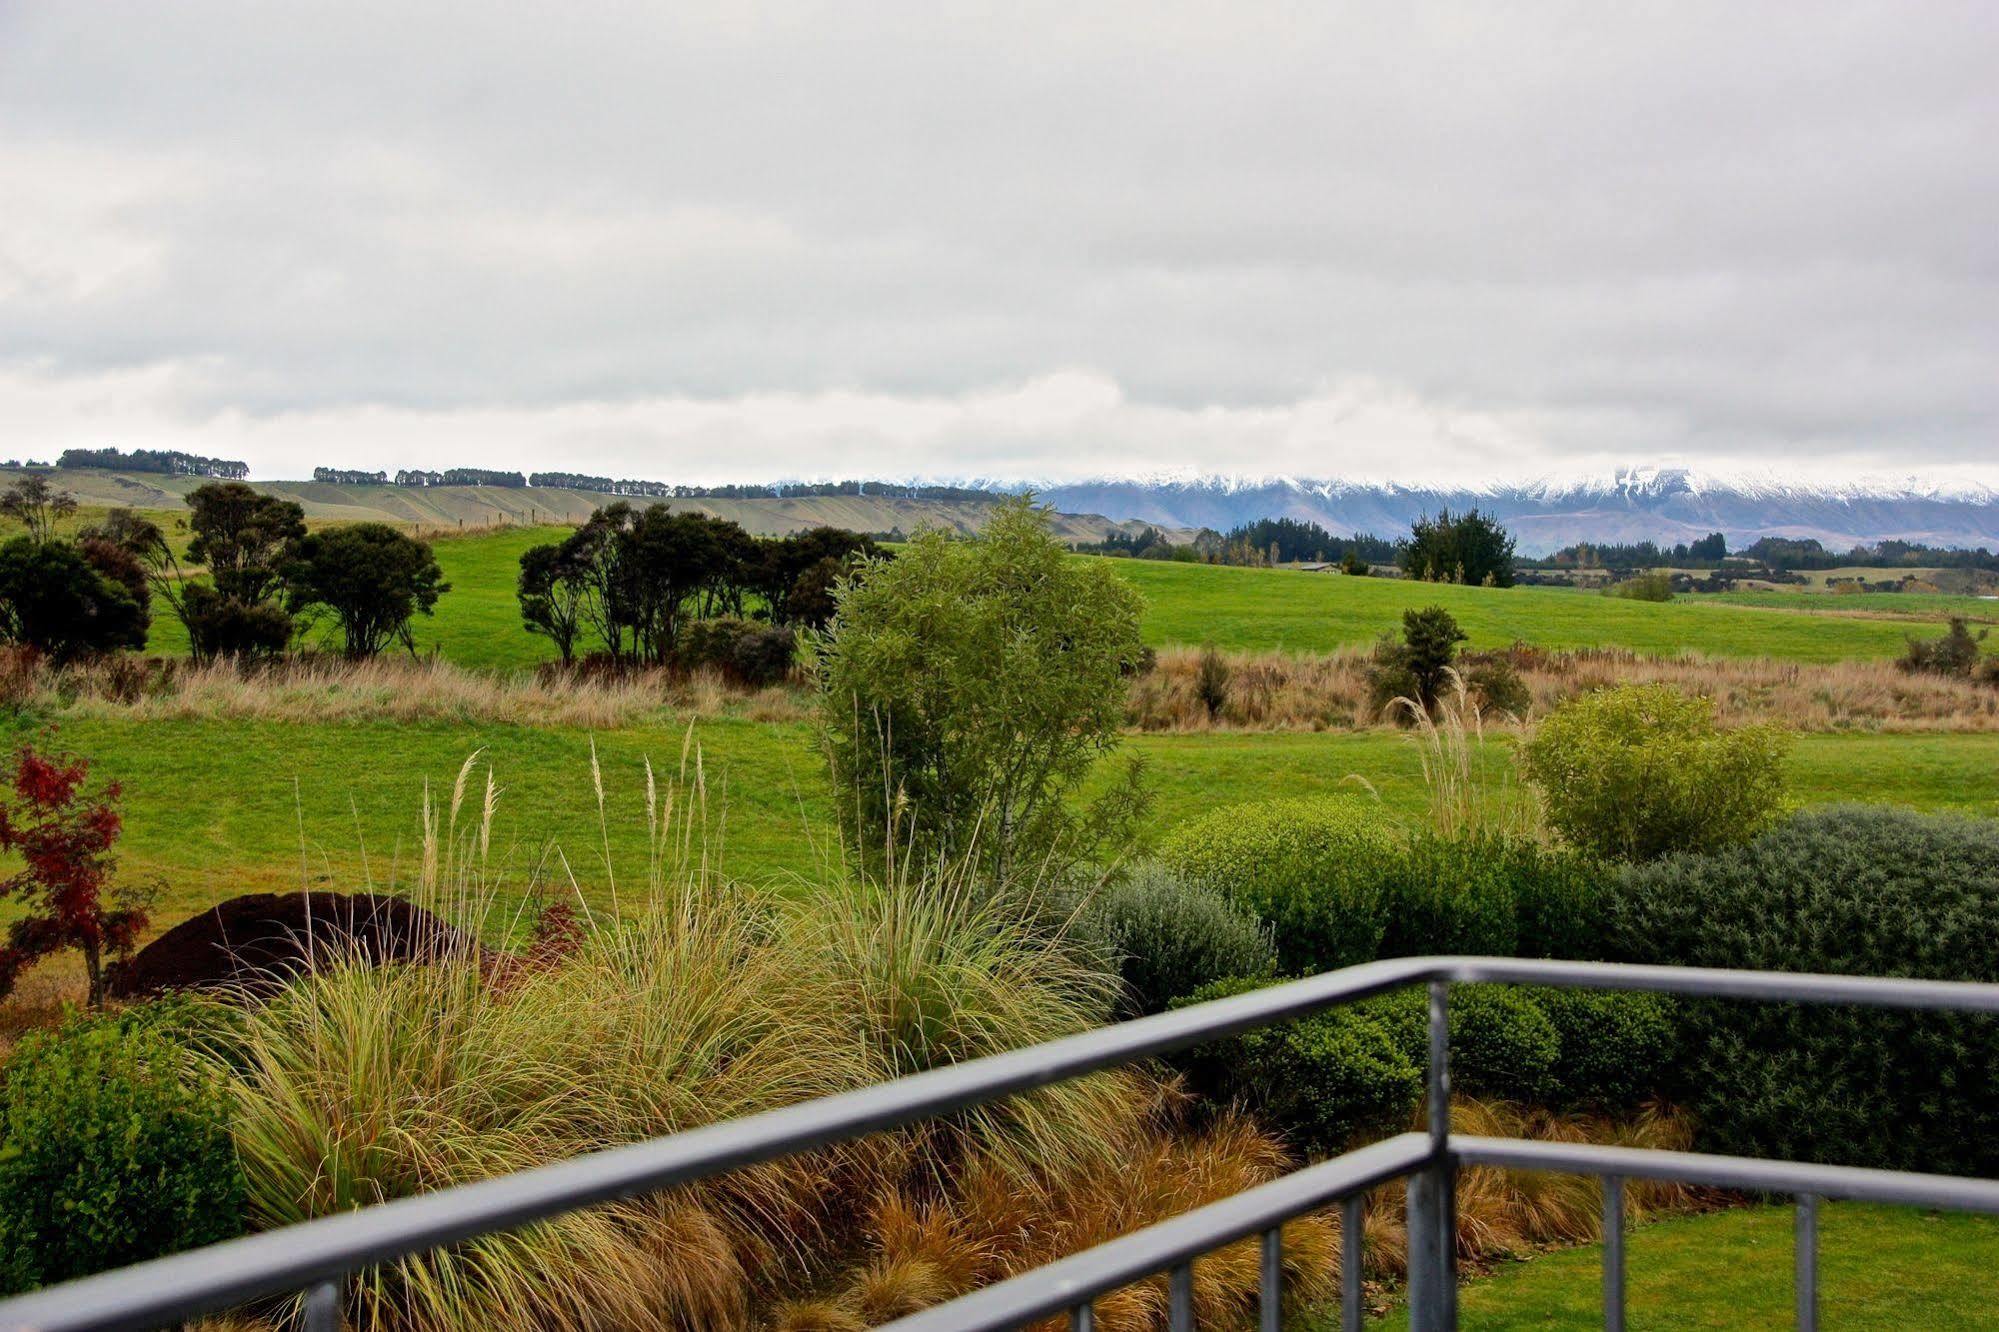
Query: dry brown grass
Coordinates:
[989,1224]
[1506,1213]
[1275,691]
[40,998]
[327,689]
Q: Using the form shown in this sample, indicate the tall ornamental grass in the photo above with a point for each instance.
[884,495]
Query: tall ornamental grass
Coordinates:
[704,1001]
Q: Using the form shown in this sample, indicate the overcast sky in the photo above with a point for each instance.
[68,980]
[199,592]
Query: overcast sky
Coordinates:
[745,241]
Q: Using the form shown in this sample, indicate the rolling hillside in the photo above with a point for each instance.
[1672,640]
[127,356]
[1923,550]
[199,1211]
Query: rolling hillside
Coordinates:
[492,506]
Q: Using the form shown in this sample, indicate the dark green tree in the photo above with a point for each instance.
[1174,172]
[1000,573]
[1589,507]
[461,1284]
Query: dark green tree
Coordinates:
[372,579]
[1471,548]
[54,600]
[1417,667]
[552,589]
[245,538]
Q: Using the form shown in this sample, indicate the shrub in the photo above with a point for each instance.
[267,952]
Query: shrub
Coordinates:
[1502,1044]
[53,599]
[1313,870]
[1852,891]
[1488,892]
[1170,938]
[1323,1080]
[1654,586]
[1953,654]
[1417,667]
[226,626]
[1494,684]
[744,651]
[1617,1047]
[968,687]
[1638,771]
[114,1148]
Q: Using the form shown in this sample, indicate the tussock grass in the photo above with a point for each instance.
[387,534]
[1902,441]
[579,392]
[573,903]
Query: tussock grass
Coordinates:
[389,688]
[696,1000]
[1274,691]
[1268,691]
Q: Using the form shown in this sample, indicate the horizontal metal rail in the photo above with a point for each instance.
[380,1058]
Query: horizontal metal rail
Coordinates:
[306,1256]
[1748,1174]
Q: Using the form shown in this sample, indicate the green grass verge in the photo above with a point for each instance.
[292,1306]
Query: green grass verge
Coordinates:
[216,808]
[1879,1267]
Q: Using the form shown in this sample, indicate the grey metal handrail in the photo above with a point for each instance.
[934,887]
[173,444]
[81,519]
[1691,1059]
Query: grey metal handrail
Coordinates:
[314,1256]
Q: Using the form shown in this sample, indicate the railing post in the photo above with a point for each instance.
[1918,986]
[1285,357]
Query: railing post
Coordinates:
[1433,1278]
[1613,1253]
[1805,1263]
[1353,1235]
[322,1307]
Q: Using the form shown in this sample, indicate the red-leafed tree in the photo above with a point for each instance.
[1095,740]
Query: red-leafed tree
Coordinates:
[63,834]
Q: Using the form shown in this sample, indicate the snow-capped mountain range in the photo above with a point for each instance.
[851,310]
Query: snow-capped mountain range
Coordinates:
[1662,504]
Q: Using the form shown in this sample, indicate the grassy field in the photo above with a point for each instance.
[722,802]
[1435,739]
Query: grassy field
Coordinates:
[477,623]
[221,807]
[1879,1267]
[1281,608]
[1923,605]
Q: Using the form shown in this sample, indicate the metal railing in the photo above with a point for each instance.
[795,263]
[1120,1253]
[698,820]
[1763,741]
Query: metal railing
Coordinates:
[316,1257]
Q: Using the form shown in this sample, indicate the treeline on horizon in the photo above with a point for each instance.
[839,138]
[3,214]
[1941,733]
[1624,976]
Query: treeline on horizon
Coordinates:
[1779,554]
[629,488]
[159,462]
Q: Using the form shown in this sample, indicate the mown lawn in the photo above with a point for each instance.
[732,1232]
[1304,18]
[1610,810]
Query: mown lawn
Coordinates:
[477,623]
[1879,1268]
[216,808]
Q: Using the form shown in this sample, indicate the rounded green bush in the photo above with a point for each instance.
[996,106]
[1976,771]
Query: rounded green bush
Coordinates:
[1855,891]
[1502,1044]
[1169,938]
[114,1147]
[1617,1047]
[1641,771]
[1322,1081]
[1313,870]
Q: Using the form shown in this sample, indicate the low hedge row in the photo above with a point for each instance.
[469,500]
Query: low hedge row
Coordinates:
[1867,891]
[1337,887]
[1358,1071]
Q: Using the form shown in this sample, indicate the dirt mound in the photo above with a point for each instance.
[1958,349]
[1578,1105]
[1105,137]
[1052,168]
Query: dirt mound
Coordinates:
[259,941]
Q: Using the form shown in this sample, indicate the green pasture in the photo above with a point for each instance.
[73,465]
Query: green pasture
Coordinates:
[477,623]
[215,808]
[1313,612]
[1922,605]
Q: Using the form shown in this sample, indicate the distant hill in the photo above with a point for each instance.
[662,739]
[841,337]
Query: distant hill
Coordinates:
[489,506]
[1666,505]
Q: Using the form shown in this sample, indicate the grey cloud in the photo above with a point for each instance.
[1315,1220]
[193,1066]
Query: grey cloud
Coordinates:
[1706,229]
